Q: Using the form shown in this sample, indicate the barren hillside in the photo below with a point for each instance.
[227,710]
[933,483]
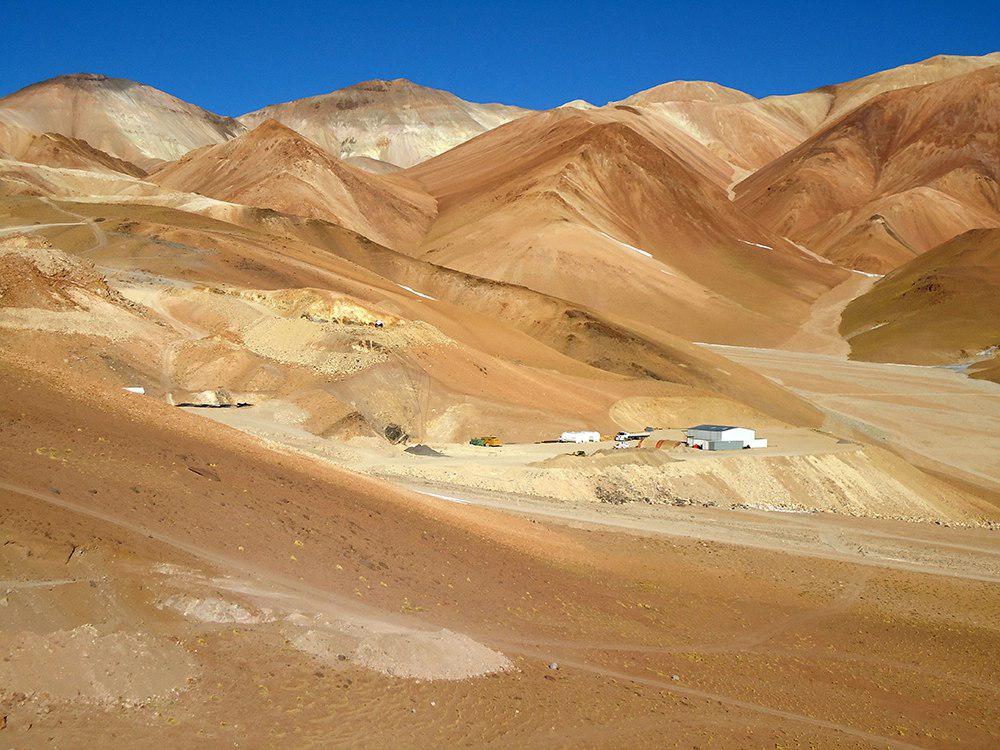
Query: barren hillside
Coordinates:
[942,307]
[749,133]
[275,167]
[55,150]
[394,121]
[603,208]
[898,175]
[126,119]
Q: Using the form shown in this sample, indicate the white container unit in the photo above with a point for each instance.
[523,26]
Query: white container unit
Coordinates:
[584,436]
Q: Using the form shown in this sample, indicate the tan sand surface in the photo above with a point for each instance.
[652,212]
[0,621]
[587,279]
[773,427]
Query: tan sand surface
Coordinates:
[943,419]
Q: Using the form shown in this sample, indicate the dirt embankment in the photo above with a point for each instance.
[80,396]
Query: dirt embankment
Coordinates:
[857,481]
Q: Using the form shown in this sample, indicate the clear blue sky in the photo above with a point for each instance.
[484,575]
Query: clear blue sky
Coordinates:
[235,57]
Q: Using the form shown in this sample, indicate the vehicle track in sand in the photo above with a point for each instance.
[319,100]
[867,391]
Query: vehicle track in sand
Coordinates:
[672,687]
[100,236]
[743,642]
[281,586]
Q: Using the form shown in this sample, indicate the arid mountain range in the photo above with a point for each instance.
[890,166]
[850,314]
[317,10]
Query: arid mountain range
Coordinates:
[242,360]
[689,212]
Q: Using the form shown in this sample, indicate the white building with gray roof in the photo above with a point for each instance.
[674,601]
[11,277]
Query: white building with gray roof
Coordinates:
[720,437]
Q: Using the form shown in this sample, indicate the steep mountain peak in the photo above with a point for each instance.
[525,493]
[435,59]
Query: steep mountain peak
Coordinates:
[386,84]
[577,104]
[270,129]
[847,96]
[81,78]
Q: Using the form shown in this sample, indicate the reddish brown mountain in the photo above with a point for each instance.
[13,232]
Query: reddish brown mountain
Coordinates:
[606,208]
[55,150]
[898,175]
[275,167]
[749,133]
[942,307]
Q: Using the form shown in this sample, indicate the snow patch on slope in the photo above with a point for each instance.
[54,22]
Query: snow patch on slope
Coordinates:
[757,244]
[411,290]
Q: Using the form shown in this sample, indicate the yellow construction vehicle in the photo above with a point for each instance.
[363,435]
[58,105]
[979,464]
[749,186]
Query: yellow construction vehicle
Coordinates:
[488,441]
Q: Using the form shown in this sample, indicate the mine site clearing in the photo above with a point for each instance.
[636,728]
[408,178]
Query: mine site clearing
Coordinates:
[666,443]
[458,474]
[270,420]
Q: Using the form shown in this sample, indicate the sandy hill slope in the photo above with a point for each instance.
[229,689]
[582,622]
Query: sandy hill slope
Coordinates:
[393,121]
[749,133]
[689,91]
[896,176]
[841,98]
[469,354]
[736,127]
[369,164]
[942,307]
[605,341]
[275,167]
[55,150]
[273,308]
[126,119]
[605,208]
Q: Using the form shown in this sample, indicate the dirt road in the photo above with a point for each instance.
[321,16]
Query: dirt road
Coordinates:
[970,554]
[819,332]
[100,236]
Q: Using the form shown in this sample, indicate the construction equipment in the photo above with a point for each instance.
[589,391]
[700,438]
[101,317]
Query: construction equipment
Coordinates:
[487,441]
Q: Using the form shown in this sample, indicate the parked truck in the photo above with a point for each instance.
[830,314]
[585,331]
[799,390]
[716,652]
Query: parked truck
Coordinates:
[625,437]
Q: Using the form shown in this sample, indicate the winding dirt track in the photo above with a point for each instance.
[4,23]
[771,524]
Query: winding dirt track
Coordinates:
[100,236]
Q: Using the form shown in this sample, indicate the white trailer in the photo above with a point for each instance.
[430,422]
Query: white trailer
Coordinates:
[584,436]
